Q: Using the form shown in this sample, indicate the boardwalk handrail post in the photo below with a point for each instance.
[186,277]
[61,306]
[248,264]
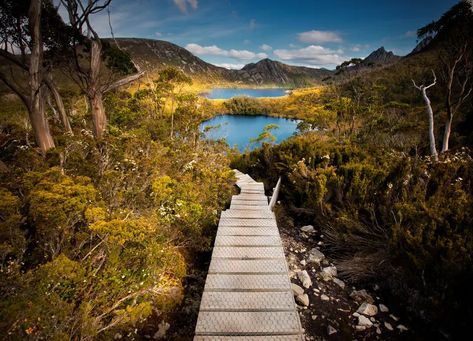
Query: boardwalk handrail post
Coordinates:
[274,197]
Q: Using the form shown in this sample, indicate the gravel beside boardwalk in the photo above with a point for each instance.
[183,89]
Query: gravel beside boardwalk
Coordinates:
[247,293]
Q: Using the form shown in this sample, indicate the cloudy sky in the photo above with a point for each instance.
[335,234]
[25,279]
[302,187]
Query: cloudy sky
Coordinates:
[315,33]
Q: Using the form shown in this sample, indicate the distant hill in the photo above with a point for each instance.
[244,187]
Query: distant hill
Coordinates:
[152,55]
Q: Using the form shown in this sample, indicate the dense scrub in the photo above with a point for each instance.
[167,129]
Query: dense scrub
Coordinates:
[94,235]
[387,217]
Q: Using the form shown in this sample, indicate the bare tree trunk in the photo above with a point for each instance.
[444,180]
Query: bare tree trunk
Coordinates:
[37,115]
[59,105]
[430,114]
[446,134]
[99,118]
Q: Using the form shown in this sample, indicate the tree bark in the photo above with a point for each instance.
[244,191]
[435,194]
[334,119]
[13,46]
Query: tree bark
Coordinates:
[37,115]
[446,134]
[59,105]
[430,114]
[99,118]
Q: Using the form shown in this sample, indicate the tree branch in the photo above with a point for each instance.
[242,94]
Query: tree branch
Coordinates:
[123,81]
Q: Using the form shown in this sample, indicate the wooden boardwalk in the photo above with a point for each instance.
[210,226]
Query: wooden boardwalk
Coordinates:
[247,293]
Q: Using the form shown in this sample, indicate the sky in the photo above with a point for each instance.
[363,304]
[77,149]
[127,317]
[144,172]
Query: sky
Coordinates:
[314,33]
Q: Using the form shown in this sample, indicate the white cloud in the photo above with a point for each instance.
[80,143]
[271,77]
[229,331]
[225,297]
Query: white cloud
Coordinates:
[359,47]
[266,47]
[312,55]
[214,50]
[182,4]
[315,36]
[231,66]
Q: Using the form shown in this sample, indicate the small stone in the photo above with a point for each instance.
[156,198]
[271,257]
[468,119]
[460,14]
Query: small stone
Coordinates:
[356,314]
[368,309]
[308,229]
[360,328]
[303,299]
[383,308]
[324,297]
[314,317]
[394,317]
[291,249]
[331,330]
[339,282]
[316,290]
[163,327]
[297,290]
[315,256]
[372,319]
[388,326]
[364,321]
[402,328]
[331,270]
[303,262]
[376,287]
[304,278]
[378,331]
[361,296]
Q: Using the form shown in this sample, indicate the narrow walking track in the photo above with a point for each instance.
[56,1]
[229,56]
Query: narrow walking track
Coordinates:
[247,293]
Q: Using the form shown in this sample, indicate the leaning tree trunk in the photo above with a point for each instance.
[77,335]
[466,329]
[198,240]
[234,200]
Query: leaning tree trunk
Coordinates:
[95,95]
[36,111]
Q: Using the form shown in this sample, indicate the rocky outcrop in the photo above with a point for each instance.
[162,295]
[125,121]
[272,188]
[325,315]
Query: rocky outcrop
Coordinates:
[380,57]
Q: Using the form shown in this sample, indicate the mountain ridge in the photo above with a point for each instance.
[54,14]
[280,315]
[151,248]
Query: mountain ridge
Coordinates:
[152,55]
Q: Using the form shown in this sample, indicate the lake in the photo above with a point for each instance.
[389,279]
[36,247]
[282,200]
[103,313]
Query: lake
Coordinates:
[238,130]
[226,93]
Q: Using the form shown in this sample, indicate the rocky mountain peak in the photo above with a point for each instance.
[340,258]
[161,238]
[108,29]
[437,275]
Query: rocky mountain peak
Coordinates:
[381,56]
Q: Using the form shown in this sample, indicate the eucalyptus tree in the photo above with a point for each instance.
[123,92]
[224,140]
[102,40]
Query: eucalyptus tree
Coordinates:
[22,53]
[90,75]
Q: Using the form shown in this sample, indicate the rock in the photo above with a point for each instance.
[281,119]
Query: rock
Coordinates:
[360,328]
[378,331]
[297,290]
[388,326]
[339,282]
[383,308]
[163,327]
[402,328]
[308,229]
[315,256]
[364,321]
[304,278]
[331,330]
[394,317]
[330,270]
[356,314]
[314,317]
[361,296]
[367,309]
[376,287]
[303,262]
[303,299]
[324,297]
[325,276]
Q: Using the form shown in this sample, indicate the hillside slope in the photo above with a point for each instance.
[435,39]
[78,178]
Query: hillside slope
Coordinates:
[152,55]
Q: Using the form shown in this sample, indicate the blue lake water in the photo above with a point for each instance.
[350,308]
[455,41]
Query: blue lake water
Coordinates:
[226,93]
[238,130]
